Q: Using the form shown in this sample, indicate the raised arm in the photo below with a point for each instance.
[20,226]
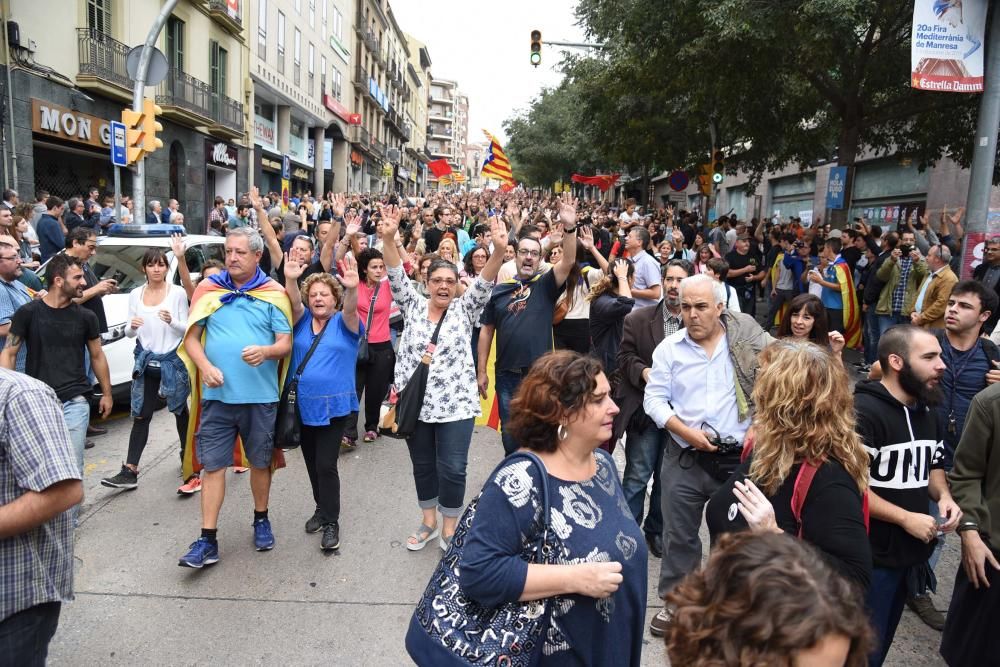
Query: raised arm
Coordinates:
[294,271]
[348,278]
[567,217]
[499,235]
[266,230]
[586,239]
[177,245]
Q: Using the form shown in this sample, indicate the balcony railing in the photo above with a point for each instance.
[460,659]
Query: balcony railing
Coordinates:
[407,132]
[361,136]
[227,112]
[183,91]
[102,57]
[378,148]
[219,9]
[360,77]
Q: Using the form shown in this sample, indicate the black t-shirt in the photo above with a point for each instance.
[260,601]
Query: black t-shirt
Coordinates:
[851,255]
[315,267]
[832,517]
[522,311]
[433,236]
[95,305]
[55,340]
[738,261]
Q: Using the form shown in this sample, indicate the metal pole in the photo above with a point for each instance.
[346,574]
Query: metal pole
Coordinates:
[118,194]
[985,147]
[139,182]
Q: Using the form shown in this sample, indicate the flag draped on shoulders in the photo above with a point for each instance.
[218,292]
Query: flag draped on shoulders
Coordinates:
[212,294]
[852,314]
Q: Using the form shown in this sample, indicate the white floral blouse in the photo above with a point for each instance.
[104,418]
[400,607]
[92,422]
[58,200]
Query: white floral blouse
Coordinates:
[452,391]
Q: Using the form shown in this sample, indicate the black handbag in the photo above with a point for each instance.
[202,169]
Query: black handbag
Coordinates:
[450,628]
[400,420]
[364,354]
[288,426]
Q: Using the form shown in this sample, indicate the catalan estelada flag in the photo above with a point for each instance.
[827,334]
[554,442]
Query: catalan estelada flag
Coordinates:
[211,295]
[496,165]
[852,314]
[490,405]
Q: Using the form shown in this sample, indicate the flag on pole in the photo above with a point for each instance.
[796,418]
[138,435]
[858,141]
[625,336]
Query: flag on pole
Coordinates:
[496,164]
[439,167]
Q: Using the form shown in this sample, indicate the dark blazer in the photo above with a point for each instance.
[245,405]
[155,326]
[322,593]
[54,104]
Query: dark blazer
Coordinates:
[643,331]
[978,274]
[153,219]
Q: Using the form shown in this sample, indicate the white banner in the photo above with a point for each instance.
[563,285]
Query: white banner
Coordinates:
[947,47]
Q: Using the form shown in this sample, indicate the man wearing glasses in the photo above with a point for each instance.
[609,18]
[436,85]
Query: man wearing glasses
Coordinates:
[13,295]
[520,312]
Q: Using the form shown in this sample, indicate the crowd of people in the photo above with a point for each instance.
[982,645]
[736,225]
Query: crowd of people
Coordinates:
[575,328]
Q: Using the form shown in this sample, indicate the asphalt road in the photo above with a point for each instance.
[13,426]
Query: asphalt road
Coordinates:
[293,605]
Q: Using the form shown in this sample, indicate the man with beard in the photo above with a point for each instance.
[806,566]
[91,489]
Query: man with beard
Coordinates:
[520,312]
[899,430]
[644,329]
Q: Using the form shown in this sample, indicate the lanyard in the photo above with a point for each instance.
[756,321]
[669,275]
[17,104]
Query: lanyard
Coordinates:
[956,372]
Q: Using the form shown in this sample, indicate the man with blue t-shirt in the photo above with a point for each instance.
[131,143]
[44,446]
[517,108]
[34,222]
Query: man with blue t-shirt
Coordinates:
[239,329]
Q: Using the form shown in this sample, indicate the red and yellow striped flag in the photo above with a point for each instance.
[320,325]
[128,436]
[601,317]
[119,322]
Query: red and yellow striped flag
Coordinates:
[496,164]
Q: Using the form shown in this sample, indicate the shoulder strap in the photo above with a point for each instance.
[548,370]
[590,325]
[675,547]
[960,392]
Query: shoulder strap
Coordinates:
[432,345]
[371,309]
[312,348]
[807,471]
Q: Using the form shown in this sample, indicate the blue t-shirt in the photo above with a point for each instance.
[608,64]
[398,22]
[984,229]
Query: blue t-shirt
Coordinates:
[591,522]
[832,298]
[326,388]
[234,326]
[964,377]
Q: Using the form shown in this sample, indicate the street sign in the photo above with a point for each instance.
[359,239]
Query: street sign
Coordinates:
[119,152]
[286,167]
[158,65]
[678,180]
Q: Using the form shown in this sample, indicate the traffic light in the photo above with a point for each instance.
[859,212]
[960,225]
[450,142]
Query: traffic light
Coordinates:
[140,130]
[718,167]
[536,47]
[705,179]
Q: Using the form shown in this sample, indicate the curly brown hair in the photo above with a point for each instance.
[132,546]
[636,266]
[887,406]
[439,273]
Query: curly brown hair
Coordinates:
[329,281]
[760,599]
[558,386]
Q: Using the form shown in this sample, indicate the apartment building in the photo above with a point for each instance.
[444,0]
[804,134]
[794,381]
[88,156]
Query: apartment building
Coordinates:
[448,130]
[66,79]
[300,63]
[419,71]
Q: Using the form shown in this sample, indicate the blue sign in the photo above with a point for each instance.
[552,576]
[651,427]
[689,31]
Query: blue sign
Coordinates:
[286,167]
[119,149]
[836,187]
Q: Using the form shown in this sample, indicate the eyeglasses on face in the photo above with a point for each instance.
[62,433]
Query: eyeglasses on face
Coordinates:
[437,282]
[523,252]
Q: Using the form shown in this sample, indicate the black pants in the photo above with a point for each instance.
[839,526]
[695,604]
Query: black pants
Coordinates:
[780,298]
[320,450]
[372,381]
[573,335]
[139,436]
[747,294]
[25,636]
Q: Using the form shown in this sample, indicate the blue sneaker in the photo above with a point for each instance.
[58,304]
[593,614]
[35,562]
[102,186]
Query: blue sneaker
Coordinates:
[202,553]
[263,538]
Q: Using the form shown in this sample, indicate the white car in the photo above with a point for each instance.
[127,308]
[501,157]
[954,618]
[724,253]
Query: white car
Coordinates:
[119,256]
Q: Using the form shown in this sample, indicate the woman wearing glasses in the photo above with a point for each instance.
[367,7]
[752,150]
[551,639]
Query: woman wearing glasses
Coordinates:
[439,447]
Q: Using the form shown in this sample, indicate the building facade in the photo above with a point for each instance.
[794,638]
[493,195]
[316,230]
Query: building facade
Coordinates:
[300,66]
[444,131]
[66,79]
[419,70]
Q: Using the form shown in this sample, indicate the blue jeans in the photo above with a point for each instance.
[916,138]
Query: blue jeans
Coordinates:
[886,597]
[439,453]
[871,336]
[885,322]
[643,459]
[25,636]
[76,413]
[507,383]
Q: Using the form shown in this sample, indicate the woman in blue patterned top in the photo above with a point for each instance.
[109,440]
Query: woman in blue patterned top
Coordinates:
[326,392]
[563,412]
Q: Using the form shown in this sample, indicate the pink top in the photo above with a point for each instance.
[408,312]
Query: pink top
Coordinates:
[379,332]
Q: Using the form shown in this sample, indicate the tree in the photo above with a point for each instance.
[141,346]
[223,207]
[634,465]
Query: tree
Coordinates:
[789,82]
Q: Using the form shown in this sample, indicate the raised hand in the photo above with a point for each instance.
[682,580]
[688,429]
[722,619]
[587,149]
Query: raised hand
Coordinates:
[177,245]
[621,269]
[338,203]
[567,210]
[353,227]
[390,222]
[498,232]
[254,197]
[293,268]
[586,238]
[347,272]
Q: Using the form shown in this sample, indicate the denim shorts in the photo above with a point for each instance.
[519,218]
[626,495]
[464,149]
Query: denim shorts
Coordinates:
[222,422]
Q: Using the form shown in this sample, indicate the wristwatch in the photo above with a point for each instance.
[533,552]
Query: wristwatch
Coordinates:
[567,230]
[967,525]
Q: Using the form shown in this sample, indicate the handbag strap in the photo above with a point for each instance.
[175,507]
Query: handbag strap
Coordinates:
[544,532]
[312,348]
[371,309]
[431,346]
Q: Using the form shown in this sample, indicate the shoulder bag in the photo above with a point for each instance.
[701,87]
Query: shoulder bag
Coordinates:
[288,425]
[403,407]
[364,354]
[450,628]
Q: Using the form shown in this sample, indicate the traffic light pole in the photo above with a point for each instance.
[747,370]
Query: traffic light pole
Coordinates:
[138,92]
[985,147]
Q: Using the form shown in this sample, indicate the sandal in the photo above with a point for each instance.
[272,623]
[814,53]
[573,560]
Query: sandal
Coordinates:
[423,535]
[445,542]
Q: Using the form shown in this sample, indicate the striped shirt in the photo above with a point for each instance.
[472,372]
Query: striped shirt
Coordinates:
[35,452]
[13,295]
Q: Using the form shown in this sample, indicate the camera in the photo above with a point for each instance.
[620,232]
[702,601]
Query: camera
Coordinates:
[905,249]
[726,445]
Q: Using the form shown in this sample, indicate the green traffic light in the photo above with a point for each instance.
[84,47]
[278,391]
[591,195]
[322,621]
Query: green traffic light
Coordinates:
[717,177]
[536,58]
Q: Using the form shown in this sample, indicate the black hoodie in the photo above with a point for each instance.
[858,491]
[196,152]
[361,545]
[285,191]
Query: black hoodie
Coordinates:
[904,447]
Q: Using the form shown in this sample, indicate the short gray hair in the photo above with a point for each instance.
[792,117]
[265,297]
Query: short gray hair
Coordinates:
[253,237]
[718,289]
[944,253]
[176,217]
[153,203]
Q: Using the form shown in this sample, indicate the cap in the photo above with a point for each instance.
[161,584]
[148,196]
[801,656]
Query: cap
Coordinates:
[834,234]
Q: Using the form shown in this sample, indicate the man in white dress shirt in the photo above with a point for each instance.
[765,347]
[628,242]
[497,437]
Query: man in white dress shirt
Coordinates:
[700,384]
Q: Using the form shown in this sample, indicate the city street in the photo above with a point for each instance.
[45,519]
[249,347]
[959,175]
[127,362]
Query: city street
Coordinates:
[292,605]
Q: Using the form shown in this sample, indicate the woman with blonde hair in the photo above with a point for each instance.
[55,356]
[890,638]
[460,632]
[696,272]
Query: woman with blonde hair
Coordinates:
[807,473]
[448,250]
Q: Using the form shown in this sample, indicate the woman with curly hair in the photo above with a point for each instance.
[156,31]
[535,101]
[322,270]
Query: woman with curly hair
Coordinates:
[562,412]
[610,301]
[805,417]
[766,599]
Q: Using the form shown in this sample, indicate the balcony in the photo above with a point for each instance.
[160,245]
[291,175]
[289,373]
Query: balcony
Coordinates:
[407,132]
[439,132]
[219,10]
[102,63]
[227,116]
[360,80]
[185,98]
[361,137]
[378,148]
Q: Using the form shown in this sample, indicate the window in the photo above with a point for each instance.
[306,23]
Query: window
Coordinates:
[312,13]
[175,43]
[99,16]
[297,53]
[262,29]
[298,6]
[312,59]
[322,74]
[337,83]
[217,66]
[325,12]
[281,43]
[338,24]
